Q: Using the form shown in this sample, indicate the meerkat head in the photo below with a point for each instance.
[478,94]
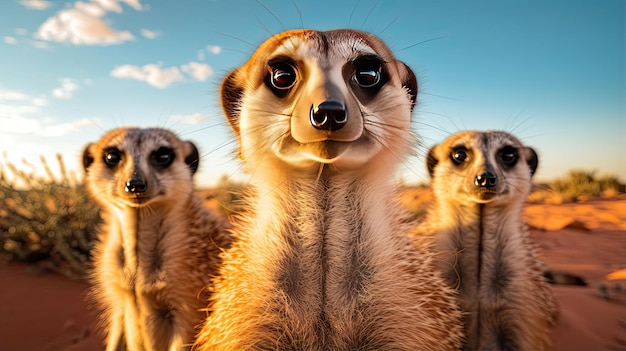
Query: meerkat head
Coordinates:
[482,167]
[307,98]
[138,167]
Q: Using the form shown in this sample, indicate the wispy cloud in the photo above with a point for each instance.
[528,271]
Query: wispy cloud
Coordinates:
[48,128]
[10,40]
[36,4]
[198,71]
[150,34]
[21,113]
[152,74]
[161,78]
[66,90]
[83,24]
[191,119]
[13,96]
[214,49]
[114,5]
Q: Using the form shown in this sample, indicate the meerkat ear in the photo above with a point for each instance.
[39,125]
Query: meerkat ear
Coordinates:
[409,82]
[431,161]
[192,158]
[532,160]
[87,157]
[231,93]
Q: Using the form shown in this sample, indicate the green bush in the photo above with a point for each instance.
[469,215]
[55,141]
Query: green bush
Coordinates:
[46,219]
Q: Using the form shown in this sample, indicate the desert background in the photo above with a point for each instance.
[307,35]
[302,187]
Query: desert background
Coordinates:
[47,227]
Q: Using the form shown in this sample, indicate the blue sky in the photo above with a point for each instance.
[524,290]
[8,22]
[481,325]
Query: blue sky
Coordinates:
[551,72]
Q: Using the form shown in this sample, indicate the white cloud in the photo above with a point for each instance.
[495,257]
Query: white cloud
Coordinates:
[114,5]
[21,31]
[13,95]
[83,24]
[27,125]
[162,77]
[10,40]
[152,74]
[191,119]
[36,4]
[40,101]
[56,130]
[20,113]
[198,71]
[15,111]
[150,34]
[17,96]
[214,49]
[66,90]
[91,8]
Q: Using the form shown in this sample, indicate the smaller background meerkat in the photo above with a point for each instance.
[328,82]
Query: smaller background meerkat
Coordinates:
[480,181]
[159,246]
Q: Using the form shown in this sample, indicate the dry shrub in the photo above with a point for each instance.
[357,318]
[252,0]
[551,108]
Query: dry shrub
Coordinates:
[47,219]
[583,184]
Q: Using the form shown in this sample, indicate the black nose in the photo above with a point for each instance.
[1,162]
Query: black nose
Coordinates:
[136,186]
[329,115]
[486,180]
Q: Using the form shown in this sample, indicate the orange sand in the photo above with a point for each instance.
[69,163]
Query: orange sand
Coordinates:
[49,312]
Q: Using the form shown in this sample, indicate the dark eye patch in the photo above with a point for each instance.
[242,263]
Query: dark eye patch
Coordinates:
[163,157]
[508,156]
[112,157]
[281,76]
[459,155]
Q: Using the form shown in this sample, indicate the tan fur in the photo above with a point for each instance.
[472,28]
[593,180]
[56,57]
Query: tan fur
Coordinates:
[324,261]
[484,245]
[158,248]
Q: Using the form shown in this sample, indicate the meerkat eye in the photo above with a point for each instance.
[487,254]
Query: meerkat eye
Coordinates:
[459,155]
[509,155]
[282,76]
[368,73]
[163,157]
[112,157]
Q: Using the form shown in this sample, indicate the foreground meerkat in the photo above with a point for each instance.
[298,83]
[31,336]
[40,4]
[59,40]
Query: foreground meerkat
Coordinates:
[158,246]
[480,181]
[324,261]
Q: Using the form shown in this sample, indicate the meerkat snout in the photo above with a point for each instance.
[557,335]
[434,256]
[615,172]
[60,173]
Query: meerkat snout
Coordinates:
[329,115]
[136,184]
[486,179]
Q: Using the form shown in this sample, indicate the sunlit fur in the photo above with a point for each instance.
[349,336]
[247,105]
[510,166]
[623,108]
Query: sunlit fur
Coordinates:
[157,250]
[324,261]
[484,247]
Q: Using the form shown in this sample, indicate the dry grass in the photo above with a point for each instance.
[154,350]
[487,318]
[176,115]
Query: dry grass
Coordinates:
[46,219]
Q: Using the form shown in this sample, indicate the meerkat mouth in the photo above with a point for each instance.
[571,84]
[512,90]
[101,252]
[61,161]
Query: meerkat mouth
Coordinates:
[326,151]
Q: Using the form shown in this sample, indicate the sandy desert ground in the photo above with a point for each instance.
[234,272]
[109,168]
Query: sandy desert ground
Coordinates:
[42,312]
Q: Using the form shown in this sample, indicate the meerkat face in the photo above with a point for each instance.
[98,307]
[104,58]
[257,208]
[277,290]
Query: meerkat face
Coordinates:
[482,167]
[307,97]
[138,167]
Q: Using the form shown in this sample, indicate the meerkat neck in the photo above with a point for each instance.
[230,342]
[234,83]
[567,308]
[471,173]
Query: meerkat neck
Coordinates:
[325,231]
[140,231]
